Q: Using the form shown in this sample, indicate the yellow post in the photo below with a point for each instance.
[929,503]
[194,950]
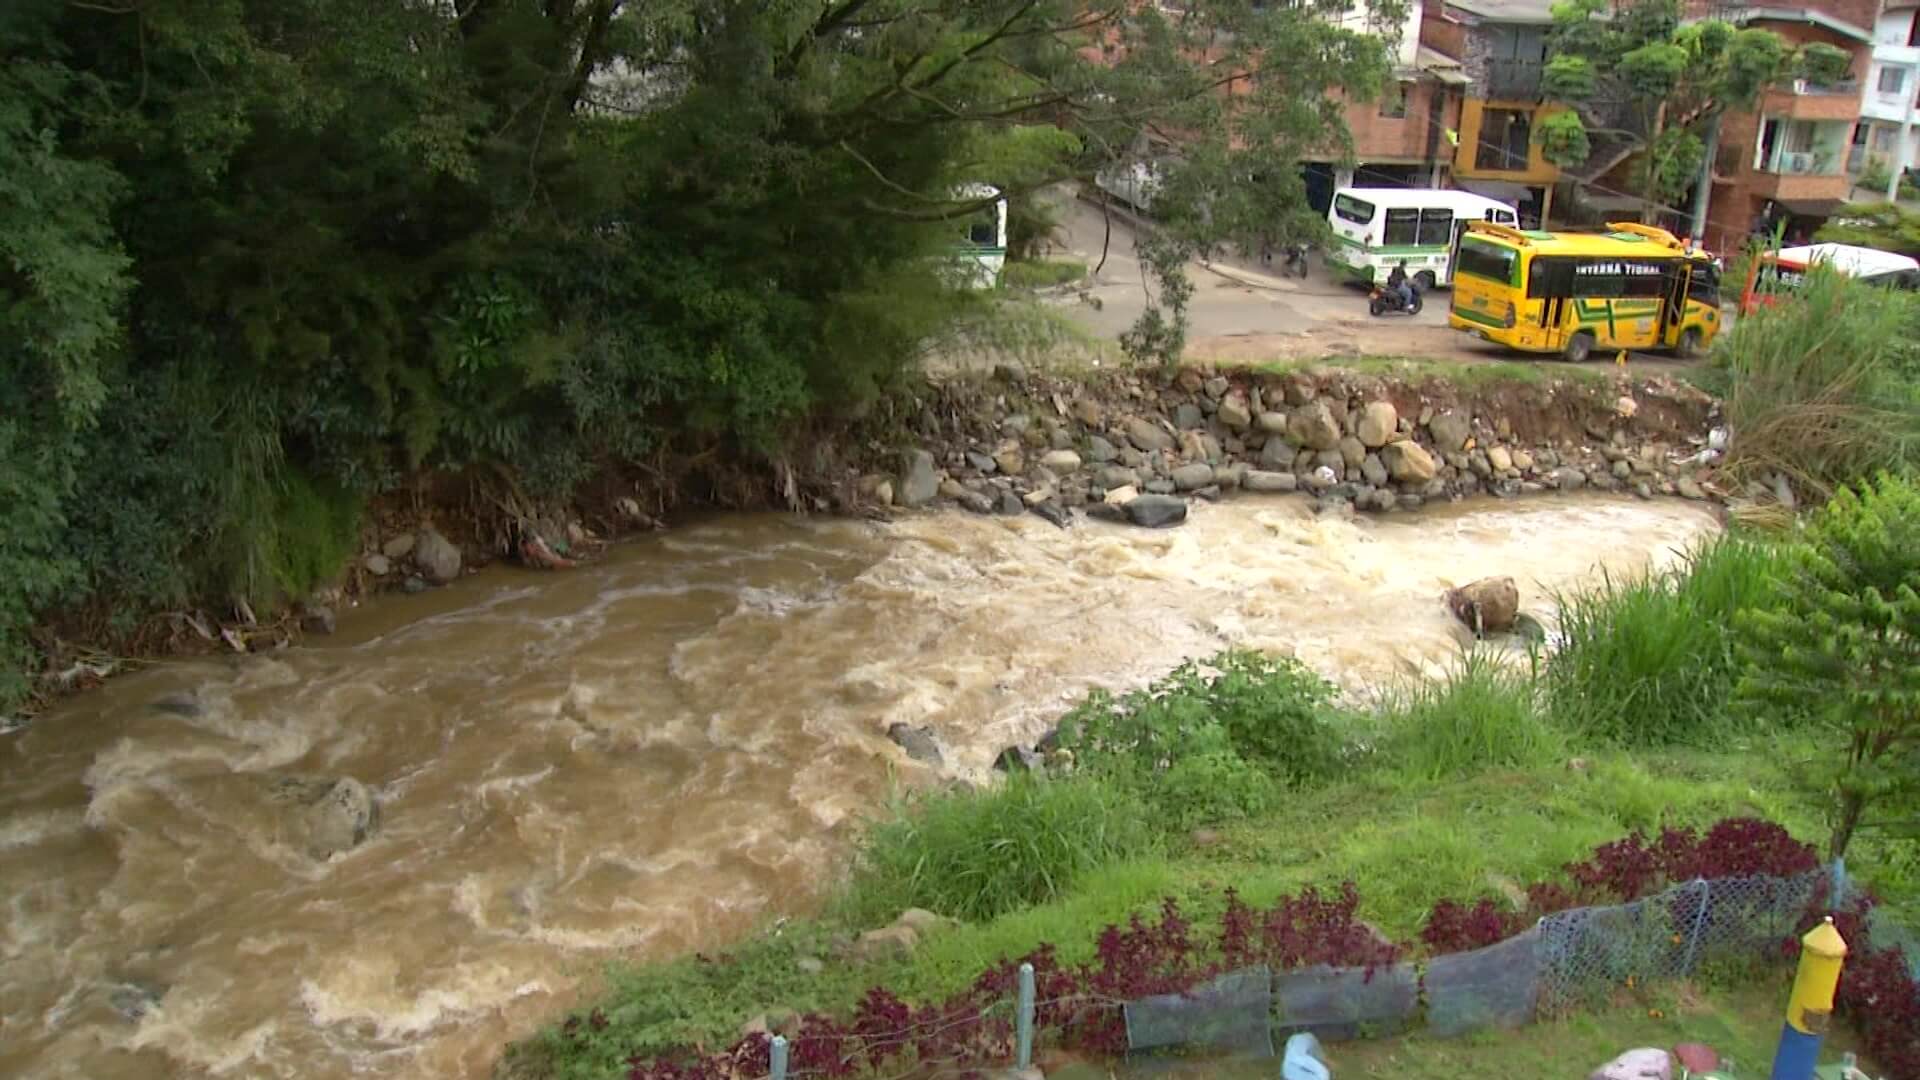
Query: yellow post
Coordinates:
[1822,954]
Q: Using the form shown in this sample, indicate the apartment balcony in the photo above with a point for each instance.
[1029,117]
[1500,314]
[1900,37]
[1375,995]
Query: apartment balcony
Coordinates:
[1511,80]
[1803,100]
[1809,176]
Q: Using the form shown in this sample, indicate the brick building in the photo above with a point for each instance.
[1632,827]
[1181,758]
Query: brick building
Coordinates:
[1785,162]
[1499,47]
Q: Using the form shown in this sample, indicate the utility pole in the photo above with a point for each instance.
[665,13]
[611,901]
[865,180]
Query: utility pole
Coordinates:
[1905,149]
[1703,189]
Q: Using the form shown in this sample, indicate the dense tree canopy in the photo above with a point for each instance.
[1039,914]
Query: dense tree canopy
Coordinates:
[1637,80]
[264,257]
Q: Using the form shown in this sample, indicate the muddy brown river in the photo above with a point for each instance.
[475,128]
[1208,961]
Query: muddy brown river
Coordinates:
[633,759]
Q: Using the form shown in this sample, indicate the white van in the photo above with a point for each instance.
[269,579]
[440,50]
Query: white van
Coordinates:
[1374,229]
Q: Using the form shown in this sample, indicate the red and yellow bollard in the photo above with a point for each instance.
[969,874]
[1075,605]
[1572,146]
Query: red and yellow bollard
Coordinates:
[1822,953]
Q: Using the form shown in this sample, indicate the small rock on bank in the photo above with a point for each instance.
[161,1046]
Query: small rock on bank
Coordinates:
[918,482]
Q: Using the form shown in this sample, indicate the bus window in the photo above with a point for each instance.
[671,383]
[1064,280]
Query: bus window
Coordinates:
[1358,211]
[984,232]
[1549,279]
[1435,228]
[1403,227]
[1484,260]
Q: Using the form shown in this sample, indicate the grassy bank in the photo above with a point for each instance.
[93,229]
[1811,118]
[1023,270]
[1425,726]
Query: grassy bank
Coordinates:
[1249,773]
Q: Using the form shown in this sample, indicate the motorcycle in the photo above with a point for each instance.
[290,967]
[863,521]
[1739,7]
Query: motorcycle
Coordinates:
[1297,259]
[1382,300]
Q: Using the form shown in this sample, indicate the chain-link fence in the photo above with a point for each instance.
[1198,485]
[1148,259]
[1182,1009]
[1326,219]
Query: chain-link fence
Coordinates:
[1566,960]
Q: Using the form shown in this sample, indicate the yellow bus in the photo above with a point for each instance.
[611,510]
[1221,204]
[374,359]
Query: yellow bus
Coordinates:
[1635,287]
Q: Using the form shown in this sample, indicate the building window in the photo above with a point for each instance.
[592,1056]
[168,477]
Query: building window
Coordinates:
[1393,101]
[1505,137]
[1893,80]
[1882,138]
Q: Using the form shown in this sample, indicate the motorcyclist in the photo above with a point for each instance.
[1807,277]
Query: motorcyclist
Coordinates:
[1398,287]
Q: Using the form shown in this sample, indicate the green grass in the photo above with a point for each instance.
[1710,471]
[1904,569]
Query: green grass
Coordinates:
[1824,387]
[1482,713]
[1042,273]
[1467,376]
[1741,1024]
[1650,660]
[975,856]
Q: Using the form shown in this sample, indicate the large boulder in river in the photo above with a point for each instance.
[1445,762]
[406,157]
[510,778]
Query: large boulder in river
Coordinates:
[332,816]
[1489,605]
[918,742]
[1157,511]
[436,555]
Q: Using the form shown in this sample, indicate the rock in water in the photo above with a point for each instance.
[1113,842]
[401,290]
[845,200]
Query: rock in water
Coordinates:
[1053,513]
[918,482]
[918,742]
[344,817]
[1011,503]
[1378,422]
[437,555]
[1488,605]
[1157,511]
[1408,462]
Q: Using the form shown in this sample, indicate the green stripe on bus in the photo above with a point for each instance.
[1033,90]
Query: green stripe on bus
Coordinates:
[1392,249]
[1480,317]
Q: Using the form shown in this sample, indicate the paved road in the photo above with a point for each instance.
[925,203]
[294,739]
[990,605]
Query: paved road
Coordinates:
[1241,312]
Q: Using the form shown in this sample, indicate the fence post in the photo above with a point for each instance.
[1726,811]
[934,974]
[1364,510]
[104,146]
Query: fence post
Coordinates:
[777,1059]
[1699,919]
[1023,1023]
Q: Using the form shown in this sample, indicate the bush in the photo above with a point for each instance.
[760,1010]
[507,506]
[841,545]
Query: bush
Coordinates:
[1652,660]
[976,855]
[1042,274]
[1272,711]
[1481,714]
[1844,645]
[1825,386]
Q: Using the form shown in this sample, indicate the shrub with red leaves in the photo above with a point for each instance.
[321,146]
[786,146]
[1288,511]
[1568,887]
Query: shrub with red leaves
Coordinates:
[1453,927]
[1630,868]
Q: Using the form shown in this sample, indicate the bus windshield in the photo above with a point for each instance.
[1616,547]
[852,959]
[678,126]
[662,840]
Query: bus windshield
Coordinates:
[1358,211]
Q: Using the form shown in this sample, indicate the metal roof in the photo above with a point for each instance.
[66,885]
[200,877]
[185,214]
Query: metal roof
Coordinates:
[1527,12]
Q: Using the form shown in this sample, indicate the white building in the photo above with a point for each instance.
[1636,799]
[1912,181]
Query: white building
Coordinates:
[1887,107]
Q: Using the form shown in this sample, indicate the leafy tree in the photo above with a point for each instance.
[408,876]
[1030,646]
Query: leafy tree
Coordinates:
[1635,80]
[265,257]
[1845,647]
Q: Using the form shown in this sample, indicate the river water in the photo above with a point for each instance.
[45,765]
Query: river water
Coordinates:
[633,759]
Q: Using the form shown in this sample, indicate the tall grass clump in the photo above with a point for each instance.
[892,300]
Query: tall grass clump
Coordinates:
[1824,387]
[975,855]
[1482,714]
[1651,660]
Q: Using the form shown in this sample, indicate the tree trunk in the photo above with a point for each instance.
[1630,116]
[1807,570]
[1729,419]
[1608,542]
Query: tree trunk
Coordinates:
[1852,806]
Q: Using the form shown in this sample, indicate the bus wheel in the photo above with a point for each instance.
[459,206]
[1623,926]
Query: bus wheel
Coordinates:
[1579,347]
[1425,280]
[1689,347]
